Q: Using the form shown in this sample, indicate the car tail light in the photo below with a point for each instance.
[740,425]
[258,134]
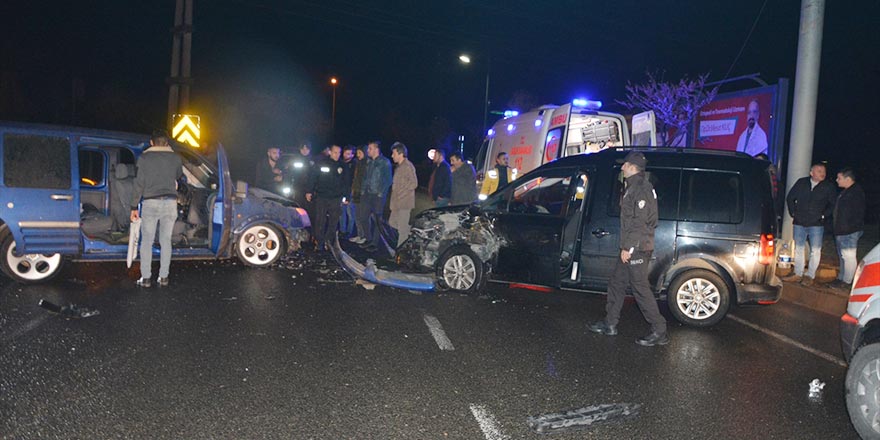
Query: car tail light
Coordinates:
[768,249]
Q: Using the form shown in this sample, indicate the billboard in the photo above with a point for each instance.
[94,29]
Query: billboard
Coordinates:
[740,121]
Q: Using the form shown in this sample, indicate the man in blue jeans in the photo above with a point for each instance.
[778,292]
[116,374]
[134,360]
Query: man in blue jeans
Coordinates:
[810,201]
[849,225]
[158,170]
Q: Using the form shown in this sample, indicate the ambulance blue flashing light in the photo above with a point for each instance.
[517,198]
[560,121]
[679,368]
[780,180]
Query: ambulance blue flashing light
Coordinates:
[491,132]
[509,127]
[510,113]
[586,103]
[538,122]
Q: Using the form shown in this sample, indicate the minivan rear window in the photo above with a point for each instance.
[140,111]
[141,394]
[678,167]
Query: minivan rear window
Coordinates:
[33,161]
[711,196]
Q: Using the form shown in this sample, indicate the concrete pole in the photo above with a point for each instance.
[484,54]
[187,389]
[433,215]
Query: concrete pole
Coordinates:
[187,56]
[806,87]
[173,85]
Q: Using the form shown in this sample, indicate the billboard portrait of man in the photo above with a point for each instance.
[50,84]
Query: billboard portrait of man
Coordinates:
[753,139]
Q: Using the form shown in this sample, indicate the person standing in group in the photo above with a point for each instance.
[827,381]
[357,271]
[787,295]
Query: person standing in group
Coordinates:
[498,176]
[638,219]
[357,181]
[158,170]
[301,167]
[440,185]
[347,221]
[849,225]
[464,181]
[269,175]
[810,200]
[403,192]
[326,190]
[374,192]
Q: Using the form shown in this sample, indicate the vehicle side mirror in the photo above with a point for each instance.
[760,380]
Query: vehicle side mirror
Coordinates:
[241,189]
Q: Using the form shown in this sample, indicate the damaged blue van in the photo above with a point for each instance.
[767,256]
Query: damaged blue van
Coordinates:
[65,195]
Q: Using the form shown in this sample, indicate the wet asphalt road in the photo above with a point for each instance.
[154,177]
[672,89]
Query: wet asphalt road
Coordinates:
[300,352]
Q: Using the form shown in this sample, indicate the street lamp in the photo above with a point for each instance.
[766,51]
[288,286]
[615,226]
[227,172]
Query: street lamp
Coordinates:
[333,82]
[466,59]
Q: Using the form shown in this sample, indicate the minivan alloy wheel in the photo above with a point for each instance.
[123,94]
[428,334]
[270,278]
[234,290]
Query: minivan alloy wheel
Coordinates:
[698,298]
[460,272]
[460,269]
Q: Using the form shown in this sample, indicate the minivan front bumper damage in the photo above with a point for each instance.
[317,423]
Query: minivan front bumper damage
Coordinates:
[371,273]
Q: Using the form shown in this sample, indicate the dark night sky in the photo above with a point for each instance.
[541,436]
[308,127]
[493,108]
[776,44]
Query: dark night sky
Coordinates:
[261,67]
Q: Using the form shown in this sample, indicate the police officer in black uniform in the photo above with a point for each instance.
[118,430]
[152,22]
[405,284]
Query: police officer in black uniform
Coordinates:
[300,169]
[638,218]
[327,188]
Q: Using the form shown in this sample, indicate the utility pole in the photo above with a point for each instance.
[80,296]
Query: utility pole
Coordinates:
[806,89]
[179,82]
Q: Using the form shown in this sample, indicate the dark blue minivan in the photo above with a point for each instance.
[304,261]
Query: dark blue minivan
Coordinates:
[65,194]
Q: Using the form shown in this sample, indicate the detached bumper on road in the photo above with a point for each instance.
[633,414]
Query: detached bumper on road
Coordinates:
[371,273]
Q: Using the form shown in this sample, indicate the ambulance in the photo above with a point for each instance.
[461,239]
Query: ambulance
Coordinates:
[547,133]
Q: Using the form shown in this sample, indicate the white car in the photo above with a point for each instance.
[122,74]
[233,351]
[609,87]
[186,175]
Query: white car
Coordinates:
[860,340]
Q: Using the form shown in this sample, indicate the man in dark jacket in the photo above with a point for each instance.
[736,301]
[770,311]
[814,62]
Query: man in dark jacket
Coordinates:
[374,194]
[638,219]
[327,187]
[810,201]
[440,185]
[300,168]
[464,181]
[158,170]
[347,221]
[269,175]
[849,225]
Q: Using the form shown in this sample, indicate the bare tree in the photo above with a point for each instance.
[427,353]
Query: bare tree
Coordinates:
[675,104]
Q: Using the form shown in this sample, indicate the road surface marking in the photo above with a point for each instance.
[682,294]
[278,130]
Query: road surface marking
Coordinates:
[787,340]
[487,422]
[437,332]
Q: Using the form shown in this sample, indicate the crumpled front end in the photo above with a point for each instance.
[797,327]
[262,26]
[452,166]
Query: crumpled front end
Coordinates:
[435,231]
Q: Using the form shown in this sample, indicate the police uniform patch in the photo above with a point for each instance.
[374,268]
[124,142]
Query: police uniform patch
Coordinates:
[641,204]
[339,170]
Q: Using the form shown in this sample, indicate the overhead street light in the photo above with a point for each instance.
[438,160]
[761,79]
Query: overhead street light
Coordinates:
[466,59]
[333,82]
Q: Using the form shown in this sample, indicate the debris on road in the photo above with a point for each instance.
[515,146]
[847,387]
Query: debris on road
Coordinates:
[582,418]
[231,298]
[365,284]
[816,387]
[69,311]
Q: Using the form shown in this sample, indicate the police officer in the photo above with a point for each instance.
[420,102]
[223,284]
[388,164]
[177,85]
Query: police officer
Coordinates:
[327,189]
[301,168]
[638,218]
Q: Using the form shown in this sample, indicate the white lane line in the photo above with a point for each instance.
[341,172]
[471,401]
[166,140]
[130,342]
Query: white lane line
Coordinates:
[787,340]
[487,422]
[437,332]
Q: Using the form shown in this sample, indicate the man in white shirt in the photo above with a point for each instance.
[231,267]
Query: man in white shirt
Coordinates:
[753,139]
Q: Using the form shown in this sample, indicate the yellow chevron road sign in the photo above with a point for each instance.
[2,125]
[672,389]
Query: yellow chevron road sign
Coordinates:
[186,129]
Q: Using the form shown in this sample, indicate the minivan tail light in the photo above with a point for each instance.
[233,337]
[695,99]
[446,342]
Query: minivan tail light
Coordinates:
[768,249]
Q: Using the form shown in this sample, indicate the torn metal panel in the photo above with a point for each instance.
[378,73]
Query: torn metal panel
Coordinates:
[582,418]
[436,230]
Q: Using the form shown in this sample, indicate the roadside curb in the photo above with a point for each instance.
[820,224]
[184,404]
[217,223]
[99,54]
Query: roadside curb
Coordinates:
[818,297]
